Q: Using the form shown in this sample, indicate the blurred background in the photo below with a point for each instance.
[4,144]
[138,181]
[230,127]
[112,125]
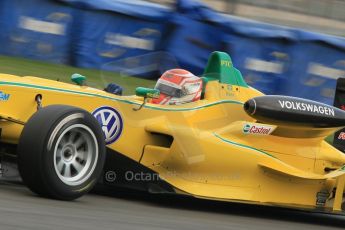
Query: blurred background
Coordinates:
[291,47]
[324,16]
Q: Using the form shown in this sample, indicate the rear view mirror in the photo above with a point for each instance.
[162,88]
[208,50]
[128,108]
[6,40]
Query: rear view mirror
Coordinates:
[147,92]
[78,79]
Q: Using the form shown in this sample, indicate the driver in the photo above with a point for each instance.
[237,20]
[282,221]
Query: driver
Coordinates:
[178,86]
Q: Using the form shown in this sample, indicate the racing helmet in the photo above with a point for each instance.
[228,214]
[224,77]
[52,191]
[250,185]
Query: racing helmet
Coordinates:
[178,86]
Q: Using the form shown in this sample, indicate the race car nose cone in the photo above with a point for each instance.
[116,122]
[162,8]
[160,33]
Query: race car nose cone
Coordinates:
[250,106]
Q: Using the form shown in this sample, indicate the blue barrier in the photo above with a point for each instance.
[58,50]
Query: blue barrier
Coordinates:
[136,8]
[318,61]
[263,62]
[114,30]
[37,29]
[273,59]
[191,42]
[261,52]
[196,33]
[89,33]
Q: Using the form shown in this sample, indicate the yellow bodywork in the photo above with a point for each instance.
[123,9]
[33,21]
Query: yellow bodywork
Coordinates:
[210,155]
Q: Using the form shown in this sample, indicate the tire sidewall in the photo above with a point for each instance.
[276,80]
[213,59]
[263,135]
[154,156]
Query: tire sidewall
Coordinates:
[40,175]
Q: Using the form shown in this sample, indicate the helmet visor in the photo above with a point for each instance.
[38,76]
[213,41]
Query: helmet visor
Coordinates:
[169,89]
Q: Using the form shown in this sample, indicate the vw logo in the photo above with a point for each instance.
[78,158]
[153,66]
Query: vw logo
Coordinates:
[111,122]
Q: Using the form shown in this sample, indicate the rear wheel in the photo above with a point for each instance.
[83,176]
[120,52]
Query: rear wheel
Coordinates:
[61,152]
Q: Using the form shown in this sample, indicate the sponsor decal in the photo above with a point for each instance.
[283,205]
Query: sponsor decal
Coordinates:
[225,63]
[129,41]
[341,136]
[264,66]
[308,107]
[4,96]
[40,26]
[257,129]
[111,122]
[325,71]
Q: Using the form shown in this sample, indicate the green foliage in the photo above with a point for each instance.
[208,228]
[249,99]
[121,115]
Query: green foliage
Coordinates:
[95,78]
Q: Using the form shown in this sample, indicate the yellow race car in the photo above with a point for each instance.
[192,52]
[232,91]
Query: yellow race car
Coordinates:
[235,144]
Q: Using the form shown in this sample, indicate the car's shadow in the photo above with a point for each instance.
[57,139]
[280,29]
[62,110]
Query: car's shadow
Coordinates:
[257,211]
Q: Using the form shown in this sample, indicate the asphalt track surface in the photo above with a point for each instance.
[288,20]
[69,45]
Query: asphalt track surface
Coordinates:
[124,209]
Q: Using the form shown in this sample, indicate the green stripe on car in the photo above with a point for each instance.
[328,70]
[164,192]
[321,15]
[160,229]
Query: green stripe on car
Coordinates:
[242,145]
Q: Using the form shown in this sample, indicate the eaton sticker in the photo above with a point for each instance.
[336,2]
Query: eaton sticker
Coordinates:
[111,122]
[257,129]
[4,96]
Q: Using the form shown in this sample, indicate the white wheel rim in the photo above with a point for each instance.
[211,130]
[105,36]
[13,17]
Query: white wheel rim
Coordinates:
[75,154]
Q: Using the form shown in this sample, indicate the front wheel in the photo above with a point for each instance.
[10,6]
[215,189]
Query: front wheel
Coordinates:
[61,152]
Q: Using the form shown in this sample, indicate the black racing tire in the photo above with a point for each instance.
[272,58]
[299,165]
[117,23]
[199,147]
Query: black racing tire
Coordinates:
[61,152]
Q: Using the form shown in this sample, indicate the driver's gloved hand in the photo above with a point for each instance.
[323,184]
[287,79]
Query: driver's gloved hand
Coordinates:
[114,89]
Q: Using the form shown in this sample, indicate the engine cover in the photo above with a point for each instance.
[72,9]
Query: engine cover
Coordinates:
[277,109]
